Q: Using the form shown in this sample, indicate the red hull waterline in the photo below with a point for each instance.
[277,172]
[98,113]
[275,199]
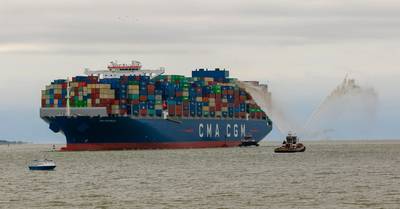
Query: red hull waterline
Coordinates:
[130,146]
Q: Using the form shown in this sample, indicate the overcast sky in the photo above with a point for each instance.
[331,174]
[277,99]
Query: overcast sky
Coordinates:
[302,49]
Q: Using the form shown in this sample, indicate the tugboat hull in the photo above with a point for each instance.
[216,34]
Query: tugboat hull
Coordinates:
[290,150]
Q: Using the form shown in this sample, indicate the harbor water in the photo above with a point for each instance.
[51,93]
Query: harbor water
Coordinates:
[330,174]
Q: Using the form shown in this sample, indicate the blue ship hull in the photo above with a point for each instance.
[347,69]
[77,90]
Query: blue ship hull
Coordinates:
[114,133]
[42,168]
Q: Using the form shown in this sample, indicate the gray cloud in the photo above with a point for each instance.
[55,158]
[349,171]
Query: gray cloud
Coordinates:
[84,25]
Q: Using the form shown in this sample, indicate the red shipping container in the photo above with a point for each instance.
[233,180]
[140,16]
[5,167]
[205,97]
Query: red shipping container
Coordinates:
[134,101]
[143,98]
[164,105]
[57,96]
[81,84]
[186,113]
[151,87]
[171,110]
[43,102]
[64,85]
[178,110]
[143,112]
[115,102]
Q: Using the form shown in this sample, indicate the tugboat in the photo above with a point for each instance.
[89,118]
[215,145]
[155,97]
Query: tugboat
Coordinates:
[291,145]
[44,165]
[248,141]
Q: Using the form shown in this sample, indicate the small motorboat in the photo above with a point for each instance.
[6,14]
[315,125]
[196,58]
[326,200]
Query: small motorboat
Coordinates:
[248,141]
[291,145]
[43,165]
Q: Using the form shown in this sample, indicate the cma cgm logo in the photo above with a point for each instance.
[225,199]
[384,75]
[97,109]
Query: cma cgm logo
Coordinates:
[214,130]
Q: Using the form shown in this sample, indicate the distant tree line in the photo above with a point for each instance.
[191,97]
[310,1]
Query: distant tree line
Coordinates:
[11,142]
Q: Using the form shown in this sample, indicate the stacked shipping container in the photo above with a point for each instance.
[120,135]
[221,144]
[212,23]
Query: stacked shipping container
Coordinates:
[180,96]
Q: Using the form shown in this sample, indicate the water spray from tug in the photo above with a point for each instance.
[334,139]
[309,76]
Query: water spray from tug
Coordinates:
[348,110]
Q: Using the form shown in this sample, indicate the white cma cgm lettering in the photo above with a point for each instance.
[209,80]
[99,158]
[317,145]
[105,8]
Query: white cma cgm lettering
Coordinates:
[210,130]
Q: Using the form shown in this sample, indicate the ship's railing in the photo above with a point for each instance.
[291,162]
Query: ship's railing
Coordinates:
[117,74]
[102,112]
[78,111]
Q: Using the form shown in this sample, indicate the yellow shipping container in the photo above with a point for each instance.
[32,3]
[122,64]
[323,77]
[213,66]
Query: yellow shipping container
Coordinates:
[133,87]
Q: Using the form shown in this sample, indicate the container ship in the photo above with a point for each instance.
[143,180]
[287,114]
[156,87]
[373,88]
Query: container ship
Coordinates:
[127,107]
